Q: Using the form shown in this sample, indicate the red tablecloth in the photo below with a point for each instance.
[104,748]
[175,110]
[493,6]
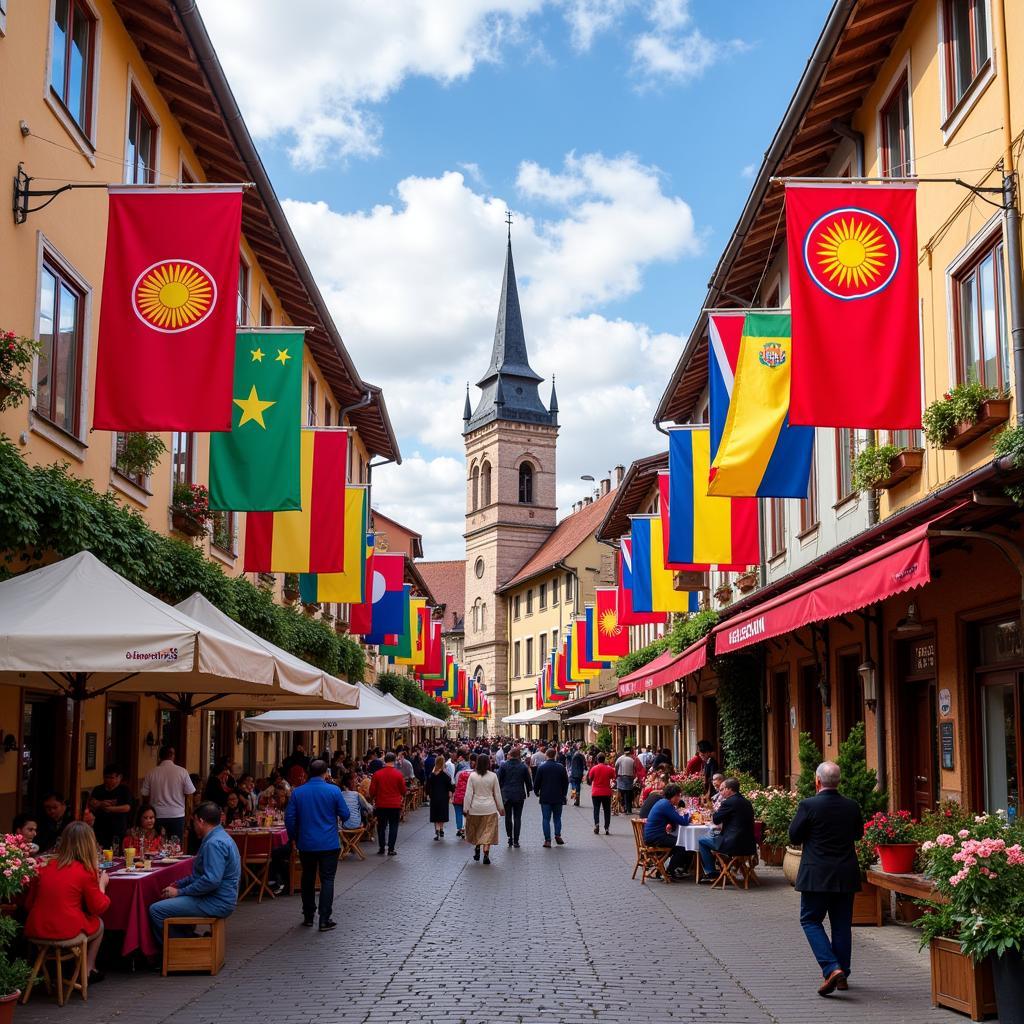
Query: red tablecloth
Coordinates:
[279,833]
[130,898]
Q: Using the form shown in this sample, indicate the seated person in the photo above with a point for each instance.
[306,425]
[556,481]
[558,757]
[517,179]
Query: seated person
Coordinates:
[662,821]
[55,818]
[218,785]
[735,815]
[267,796]
[234,810]
[212,888]
[649,801]
[147,835]
[111,805]
[359,809]
[281,798]
[68,895]
[247,794]
[716,785]
[27,826]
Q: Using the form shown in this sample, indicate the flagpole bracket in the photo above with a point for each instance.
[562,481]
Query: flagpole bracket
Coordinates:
[24,192]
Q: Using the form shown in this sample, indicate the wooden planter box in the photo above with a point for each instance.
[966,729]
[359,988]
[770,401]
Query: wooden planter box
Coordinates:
[746,582]
[867,906]
[959,983]
[723,595]
[990,415]
[772,856]
[187,525]
[904,466]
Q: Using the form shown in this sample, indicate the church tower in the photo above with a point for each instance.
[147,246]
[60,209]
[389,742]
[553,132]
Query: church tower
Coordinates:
[510,442]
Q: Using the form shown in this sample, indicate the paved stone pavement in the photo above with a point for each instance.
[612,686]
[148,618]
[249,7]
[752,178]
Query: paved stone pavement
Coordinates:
[558,935]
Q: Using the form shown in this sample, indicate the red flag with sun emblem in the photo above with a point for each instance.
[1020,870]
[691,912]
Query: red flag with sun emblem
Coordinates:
[166,350]
[853,273]
[611,638]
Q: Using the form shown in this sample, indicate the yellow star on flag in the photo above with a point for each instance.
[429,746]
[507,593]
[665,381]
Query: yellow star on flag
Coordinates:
[282,356]
[257,355]
[252,408]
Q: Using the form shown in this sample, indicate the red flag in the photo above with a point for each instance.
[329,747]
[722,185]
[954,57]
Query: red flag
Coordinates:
[166,351]
[612,636]
[853,276]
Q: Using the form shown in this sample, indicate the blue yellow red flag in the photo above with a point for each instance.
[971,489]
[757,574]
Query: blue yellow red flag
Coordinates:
[653,588]
[348,586]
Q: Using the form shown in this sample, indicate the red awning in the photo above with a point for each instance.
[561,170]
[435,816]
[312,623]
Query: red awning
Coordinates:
[666,668]
[892,568]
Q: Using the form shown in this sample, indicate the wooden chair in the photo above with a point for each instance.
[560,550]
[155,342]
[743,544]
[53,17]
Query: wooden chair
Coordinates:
[350,840]
[616,802]
[194,953]
[728,868]
[257,848]
[650,860]
[59,953]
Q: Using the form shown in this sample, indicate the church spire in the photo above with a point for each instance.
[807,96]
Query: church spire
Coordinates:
[467,411]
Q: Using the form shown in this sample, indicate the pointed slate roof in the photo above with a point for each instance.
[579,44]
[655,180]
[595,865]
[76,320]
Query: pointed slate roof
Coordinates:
[509,385]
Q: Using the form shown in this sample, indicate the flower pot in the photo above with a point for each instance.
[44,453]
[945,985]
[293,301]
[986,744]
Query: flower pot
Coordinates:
[897,858]
[7,1005]
[1008,975]
[746,582]
[185,524]
[904,466]
[791,863]
[867,905]
[723,595]
[772,856]
[958,983]
[990,415]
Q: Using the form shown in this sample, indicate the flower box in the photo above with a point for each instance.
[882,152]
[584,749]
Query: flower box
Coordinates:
[746,582]
[959,983]
[867,905]
[992,413]
[185,524]
[772,856]
[904,466]
[723,595]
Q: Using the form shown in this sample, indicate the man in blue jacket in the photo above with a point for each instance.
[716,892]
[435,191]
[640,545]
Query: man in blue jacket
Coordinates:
[551,784]
[663,817]
[312,822]
[212,888]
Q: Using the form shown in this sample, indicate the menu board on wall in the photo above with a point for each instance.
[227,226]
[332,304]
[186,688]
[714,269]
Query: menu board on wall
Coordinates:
[922,657]
[946,745]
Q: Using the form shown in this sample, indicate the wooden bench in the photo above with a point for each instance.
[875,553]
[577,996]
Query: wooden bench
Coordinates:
[59,953]
[194,953]
[916,886]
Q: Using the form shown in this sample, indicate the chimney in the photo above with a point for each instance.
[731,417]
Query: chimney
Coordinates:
[606,486]
[588,500]
[620,472]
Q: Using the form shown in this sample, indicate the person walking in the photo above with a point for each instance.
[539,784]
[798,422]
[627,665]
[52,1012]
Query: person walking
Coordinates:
[387,794]
[577,769]
[167,787]
[312,818]
[828,826]
[601,778]
[516,786]
[551,782]
[461,778]
[482,807]
[439,787]
[625,779]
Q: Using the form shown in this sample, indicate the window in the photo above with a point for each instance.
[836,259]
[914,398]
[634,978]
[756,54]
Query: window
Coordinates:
[266,313]
[485,484]
[568,586]
[328,412]
[71,69]
[554,591]
[529,601]
[516,665]
[516,705]
[310,401]
[776,527]
[529,703]
[529,655]
[515,607]
[61,331]
[542,596]
[140,146]
[844,463]
[483,615]
[476,488]
[554,639]
[966,45]
[542,650]
[897,153]
[183,446]
[906,438]
[809,517]
[243,291]
[224,531]
[526,484]
[983,348]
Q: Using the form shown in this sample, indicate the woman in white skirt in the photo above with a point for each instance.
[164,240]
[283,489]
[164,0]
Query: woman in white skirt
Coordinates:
[482,807]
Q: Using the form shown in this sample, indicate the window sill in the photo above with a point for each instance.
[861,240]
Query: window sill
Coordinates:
[58,436]
[963,106]
[778,558]
[129,488]
[809,532]
[71,126]
[222,554]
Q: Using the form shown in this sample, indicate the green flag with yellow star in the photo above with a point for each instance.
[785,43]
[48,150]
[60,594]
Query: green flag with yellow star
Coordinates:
[254,467]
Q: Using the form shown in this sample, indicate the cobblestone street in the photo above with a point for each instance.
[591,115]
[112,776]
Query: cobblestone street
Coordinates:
[558,935]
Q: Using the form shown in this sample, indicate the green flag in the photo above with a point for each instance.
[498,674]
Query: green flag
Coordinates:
[254,467]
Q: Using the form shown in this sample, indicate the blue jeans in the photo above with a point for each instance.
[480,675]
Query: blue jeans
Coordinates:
[549,811]
[326,862]
[179,906]
[707,859]
[459,826]
[834,953]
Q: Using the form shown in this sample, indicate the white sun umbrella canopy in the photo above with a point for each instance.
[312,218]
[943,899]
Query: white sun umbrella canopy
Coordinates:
[374,712]
[298,684]
[535,715]
[420,718]
[631,712]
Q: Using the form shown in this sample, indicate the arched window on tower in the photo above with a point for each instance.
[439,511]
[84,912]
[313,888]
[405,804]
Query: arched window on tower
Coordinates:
[485,484]
[476,488]
[526,484]
[483,616]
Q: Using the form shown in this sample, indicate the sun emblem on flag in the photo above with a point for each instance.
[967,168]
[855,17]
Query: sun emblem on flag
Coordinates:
[174,295]
[851,253]
[610,624]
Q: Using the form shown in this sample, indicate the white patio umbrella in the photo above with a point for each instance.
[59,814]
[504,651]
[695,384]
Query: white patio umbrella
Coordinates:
[79,628]
[297,683]
[631,712]
[531,717]
[374,712]
[421,718]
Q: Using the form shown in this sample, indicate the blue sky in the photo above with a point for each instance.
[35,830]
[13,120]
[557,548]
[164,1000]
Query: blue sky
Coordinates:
[622,135]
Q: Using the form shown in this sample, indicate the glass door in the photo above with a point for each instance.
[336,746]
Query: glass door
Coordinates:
[1001,724]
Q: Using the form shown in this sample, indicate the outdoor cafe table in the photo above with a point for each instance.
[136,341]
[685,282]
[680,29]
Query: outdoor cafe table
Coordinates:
[688,836]
[278,832]
[130,899]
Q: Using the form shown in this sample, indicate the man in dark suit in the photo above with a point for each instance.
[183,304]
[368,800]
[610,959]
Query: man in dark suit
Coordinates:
[828,826]
[735,815]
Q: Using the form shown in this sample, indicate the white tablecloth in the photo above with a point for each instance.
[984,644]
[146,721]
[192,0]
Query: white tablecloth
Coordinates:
[687,836]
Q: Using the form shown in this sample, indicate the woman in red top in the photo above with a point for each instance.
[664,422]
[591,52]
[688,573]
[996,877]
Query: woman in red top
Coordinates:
[69,894]
[601,778]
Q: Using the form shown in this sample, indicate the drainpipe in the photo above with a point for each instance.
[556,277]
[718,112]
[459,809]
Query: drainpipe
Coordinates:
[874,618]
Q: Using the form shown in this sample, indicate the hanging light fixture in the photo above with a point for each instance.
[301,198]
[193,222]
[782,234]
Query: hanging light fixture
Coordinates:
[912,623]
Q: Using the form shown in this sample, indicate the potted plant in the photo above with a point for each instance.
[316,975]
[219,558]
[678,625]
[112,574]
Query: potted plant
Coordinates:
[958,982]
[1009,443]
[17,869]
[692,786]
[893,837]
[190,509]
[810,757]
[16,355]
[963,414]
[775,809]
[723,594]
[291,587]
[746,581]
[879,467]
[139,453]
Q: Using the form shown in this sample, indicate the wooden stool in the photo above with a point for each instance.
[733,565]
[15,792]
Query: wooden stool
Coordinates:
[650,860]
[198,953]
[728,866]
[61,952]
[350,839]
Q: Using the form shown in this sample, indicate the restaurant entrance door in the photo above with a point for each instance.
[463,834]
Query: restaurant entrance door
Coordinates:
[43,754]
[1001,697]
[918,725]
[783,733]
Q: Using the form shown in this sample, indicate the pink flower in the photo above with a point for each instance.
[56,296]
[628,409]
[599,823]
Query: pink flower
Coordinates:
[963,833]
[927,845]
[945,839]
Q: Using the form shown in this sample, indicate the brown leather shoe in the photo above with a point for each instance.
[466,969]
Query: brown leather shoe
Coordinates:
[828,986]
[842,985]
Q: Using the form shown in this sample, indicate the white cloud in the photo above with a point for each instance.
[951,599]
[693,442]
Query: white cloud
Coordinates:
[589,18]
[678,58]
[414,288]
[749,170]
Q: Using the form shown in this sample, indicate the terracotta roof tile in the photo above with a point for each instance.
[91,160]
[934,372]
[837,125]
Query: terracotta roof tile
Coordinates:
[447,582]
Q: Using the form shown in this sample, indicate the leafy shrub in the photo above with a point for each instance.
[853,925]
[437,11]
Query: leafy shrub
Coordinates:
[873,464]
[961,404]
